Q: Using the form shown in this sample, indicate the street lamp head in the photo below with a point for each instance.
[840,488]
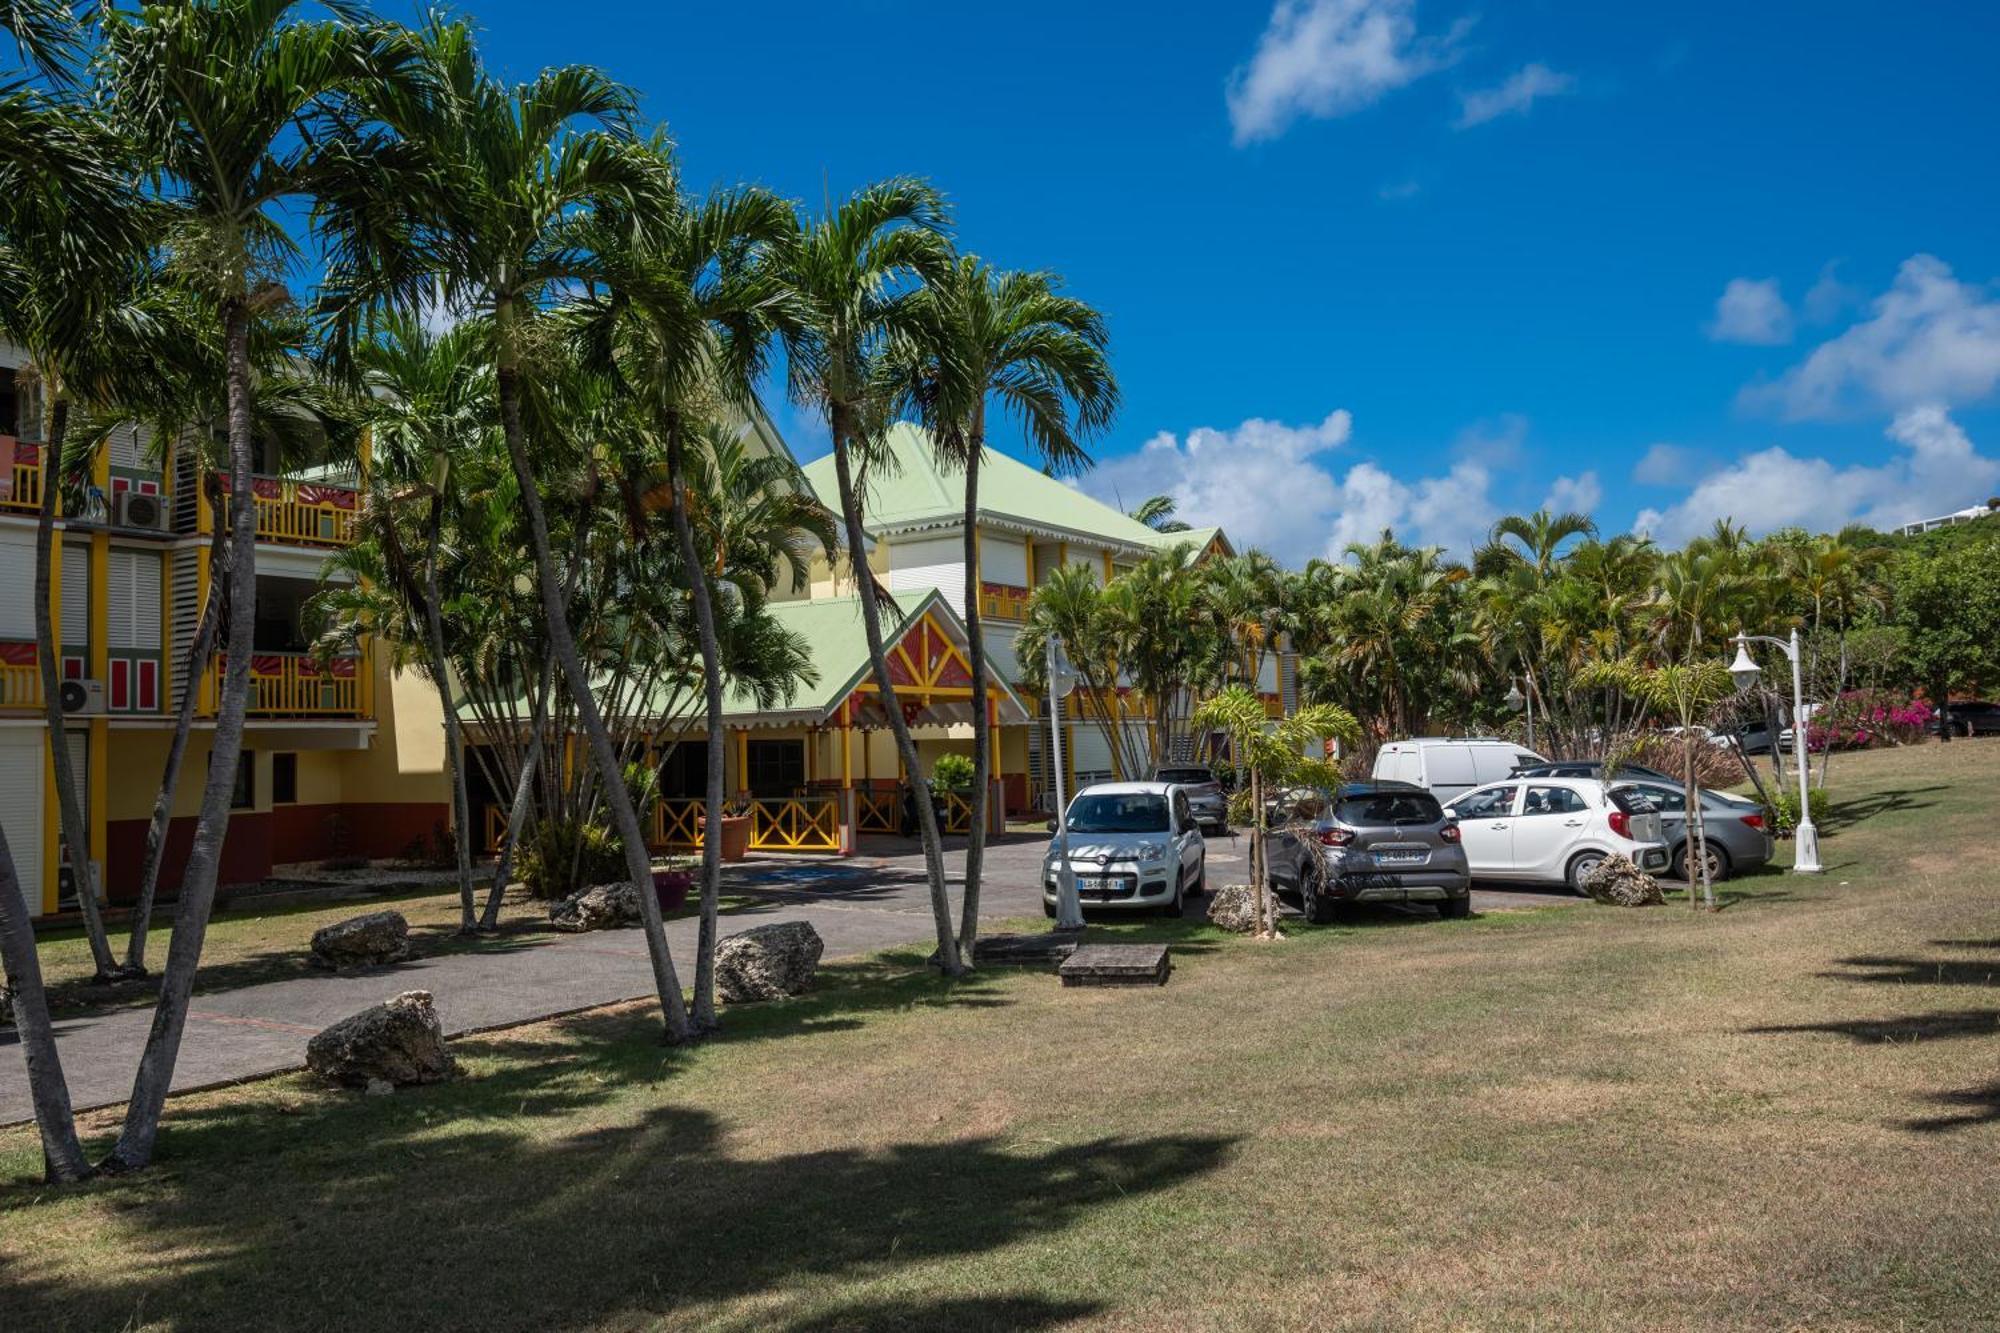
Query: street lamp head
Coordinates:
[1515,699]
[1744,669]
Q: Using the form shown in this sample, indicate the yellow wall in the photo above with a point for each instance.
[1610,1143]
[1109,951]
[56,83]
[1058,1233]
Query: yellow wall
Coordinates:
[405,761]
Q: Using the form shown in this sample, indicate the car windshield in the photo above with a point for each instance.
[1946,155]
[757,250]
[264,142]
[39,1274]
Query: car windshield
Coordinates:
[1402,807]
[1186,777]
[1123,812]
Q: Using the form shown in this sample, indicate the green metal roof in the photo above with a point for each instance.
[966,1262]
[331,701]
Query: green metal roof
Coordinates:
[915,492]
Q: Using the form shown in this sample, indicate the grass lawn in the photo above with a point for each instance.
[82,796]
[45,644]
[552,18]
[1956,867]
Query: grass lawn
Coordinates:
[251,943]
[1783,1115]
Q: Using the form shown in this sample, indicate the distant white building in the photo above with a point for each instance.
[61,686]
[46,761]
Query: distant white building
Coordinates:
[1970,515]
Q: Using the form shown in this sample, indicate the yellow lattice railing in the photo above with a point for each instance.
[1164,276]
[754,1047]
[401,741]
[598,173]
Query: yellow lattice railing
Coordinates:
[876,811]
[955,811]
[23,489]
[302,514]
[1004,601]
[677,822]
[796,824]
[298,685]
[496,828]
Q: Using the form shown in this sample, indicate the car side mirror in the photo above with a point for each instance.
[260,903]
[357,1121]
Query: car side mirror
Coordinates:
[1051,826]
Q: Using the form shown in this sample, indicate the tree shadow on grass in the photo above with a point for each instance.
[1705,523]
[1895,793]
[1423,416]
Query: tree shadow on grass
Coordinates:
[1982,1107]
[979,1312]
[1847,813]
[1945,1024]
[1884,970]
[539,1192]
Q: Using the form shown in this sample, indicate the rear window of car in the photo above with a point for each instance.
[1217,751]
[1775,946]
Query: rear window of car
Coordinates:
[1189,777]
[1632,801]
[1137,812]
[1402,807]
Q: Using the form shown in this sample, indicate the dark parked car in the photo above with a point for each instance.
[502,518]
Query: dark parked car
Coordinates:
[1969,717]
[1591,768]
[1369,842]
[1205,795]
[1737,831]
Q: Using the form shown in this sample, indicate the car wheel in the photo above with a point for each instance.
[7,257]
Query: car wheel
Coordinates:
[1718,863]
[1048,909]
[1176,906]
[1455,909]
[1200,877]
[1312,904]
[1582,865]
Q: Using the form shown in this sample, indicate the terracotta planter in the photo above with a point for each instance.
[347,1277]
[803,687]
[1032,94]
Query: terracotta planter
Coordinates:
[735,837]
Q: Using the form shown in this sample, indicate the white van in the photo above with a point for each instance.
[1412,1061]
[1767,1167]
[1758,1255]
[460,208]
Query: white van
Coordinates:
[1450,765]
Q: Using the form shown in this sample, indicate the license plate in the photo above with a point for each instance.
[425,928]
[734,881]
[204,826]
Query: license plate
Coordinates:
[1401,858]
[1095,884]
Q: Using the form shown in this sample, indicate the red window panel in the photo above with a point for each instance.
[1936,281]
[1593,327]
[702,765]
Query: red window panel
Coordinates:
[120,484]
[121,685]
[149,488]
[72,668]
[149,687]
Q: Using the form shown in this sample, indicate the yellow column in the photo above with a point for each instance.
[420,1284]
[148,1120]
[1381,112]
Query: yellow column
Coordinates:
[846,757]
[1107,566]
[1030,542]
[99,743]
[993,736]
[51,807]
[743,759]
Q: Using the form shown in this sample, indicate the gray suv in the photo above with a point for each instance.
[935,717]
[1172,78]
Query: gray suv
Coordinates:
[1205,795]
[1369,842]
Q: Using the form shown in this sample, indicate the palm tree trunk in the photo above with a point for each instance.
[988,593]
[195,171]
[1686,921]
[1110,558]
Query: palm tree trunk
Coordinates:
[48,643]
[63,1161]
[871,624]
[134,1149]
[711,685]
[200,649]
[982,727]
[454,733]
[562,644]
[517,813]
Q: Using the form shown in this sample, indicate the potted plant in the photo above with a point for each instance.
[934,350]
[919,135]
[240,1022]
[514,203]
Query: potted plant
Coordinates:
[671,888]
[735,829]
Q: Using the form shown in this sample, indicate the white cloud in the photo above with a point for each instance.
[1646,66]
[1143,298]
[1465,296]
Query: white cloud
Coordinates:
[1933,472]
[1327,58]
[1666,465]
[1751,311]
[1580,494]
[1828,297]
[1513,97]
[1269,486]
[1929,339]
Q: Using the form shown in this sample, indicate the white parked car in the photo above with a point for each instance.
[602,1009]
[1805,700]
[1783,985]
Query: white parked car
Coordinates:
[1131,845]
[1447,766]
[1554,830]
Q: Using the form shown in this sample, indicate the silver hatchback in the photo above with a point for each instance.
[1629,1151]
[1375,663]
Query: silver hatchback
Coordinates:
[1369,842]
[1131,845]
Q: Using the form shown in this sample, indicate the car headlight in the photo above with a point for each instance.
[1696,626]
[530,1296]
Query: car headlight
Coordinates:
[1153,851]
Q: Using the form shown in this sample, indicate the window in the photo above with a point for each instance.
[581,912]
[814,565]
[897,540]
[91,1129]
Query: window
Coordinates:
[1135,812]
[1554,801]
[1183,816]
[777,768]
[1413,807]
[284,779]
[1493,803]
[244,796]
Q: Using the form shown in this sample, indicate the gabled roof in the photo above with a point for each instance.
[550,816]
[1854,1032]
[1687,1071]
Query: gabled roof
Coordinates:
[914,493]
[837,643]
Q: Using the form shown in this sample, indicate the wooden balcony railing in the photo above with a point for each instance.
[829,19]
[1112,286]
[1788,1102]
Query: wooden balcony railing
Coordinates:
[795,824]
[1004,601]
[20,475]
[303,513]
[299,685]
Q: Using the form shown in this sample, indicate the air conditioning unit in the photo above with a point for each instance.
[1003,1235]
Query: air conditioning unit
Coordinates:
[138,510]
[82,698]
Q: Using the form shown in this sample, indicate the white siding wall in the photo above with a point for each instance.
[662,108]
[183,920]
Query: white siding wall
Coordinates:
[187,610]
[75,594]
[21,808]
[17,589]
[929,562]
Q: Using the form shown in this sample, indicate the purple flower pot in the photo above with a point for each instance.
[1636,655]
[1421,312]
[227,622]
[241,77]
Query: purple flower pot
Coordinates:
[671,888]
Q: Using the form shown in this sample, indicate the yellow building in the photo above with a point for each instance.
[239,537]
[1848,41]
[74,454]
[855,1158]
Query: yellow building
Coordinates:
[341,759]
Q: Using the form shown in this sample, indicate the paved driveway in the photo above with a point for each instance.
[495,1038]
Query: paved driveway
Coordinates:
[873,901]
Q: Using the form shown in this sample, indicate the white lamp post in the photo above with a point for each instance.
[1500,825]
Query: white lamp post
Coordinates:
[1744,671]
[1517,701]
[1062,679]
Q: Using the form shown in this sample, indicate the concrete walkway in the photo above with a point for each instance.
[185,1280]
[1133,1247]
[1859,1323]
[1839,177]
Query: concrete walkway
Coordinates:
[858,906]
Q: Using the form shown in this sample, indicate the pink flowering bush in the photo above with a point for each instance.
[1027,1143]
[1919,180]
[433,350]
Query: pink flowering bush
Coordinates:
[1860,719]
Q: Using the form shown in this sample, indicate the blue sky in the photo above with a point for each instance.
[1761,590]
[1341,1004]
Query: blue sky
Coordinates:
[1419,263]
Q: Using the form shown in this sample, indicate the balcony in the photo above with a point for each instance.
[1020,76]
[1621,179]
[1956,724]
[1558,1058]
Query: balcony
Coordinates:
[20,677]
[304,513]
[300,685]
[1004,601]
[20,476]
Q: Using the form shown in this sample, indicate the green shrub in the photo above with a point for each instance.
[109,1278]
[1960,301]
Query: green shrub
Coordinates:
[952,772]
[1785,807]
[560,856]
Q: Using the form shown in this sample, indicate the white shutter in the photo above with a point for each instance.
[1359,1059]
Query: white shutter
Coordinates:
[21,808]
[127,447]
[17,589]
[134,619]
[75,595]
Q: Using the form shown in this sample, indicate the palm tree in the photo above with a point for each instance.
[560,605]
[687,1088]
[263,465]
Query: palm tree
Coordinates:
[1157,512]
[846,278]
[213,95]
[497,199]
[978,337]
[684,326]
[1072,606]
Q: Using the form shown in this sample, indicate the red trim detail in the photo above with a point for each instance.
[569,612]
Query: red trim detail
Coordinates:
[121,684]
[149,687]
